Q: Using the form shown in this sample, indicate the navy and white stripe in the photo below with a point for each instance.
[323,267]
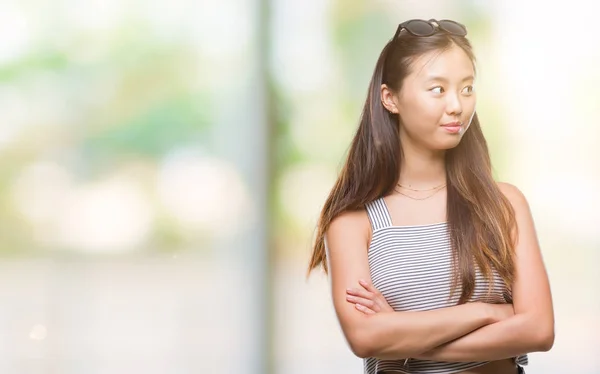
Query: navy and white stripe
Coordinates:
[412,267]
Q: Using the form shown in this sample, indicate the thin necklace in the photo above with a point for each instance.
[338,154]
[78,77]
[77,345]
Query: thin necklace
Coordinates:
[429,189]
[418,198]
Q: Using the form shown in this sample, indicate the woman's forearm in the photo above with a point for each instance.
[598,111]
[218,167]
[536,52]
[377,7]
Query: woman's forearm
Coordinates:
[512,337]
[400,335]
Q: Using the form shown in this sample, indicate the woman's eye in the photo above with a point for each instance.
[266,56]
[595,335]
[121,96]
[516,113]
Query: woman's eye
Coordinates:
[437,90]
[468,90]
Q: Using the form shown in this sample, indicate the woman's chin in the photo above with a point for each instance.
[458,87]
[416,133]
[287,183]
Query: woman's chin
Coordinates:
[446,144]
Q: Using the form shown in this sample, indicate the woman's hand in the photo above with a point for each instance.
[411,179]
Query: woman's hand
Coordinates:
[367,299]
[370,301]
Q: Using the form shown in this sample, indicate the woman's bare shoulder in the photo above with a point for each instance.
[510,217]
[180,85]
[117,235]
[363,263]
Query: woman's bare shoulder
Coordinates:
[353,223]
[513,194]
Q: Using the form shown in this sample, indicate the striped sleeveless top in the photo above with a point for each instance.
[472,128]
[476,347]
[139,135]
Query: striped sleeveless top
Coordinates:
[412,268]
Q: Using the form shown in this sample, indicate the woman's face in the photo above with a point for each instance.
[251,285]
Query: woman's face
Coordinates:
[437,101]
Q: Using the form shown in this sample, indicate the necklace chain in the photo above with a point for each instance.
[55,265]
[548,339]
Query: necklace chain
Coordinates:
[420,198]
[429,189]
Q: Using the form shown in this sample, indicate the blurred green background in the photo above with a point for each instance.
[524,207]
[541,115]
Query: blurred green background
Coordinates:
[163,165]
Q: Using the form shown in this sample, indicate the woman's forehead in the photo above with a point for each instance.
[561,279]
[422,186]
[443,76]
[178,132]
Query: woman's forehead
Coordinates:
[448,64]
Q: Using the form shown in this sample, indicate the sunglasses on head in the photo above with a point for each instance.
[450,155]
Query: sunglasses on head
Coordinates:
[420,27]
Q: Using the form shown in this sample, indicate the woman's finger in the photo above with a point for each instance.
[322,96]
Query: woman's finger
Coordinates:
[365,302]
[364,309]
[370,292]
[361,293]
[368,286]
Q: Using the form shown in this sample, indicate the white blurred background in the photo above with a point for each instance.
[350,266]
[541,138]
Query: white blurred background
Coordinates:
[163,164]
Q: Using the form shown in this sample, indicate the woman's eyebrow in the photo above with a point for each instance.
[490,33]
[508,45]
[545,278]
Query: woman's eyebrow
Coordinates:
[442,79]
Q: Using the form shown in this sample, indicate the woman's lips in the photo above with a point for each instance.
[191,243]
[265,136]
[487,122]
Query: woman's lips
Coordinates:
[452,127]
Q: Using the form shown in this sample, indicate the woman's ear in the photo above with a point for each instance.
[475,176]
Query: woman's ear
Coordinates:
[388,99]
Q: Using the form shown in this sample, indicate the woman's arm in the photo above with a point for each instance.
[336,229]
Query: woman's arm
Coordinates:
[531,329]
[391,335]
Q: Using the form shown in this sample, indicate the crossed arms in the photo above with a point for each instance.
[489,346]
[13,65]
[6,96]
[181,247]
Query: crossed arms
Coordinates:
[468,332]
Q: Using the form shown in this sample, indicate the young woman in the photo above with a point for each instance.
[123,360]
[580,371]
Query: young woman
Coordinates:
[434,266]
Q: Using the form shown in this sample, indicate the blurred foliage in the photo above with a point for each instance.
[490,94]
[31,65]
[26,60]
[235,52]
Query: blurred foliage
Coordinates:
[122,96]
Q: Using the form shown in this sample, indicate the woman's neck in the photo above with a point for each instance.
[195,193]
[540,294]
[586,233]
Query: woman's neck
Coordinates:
[422,168]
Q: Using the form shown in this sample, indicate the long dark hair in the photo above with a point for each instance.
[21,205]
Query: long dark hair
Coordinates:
[480,218]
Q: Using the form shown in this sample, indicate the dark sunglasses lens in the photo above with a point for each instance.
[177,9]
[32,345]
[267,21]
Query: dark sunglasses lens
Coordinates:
[420,28]
[453,28]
